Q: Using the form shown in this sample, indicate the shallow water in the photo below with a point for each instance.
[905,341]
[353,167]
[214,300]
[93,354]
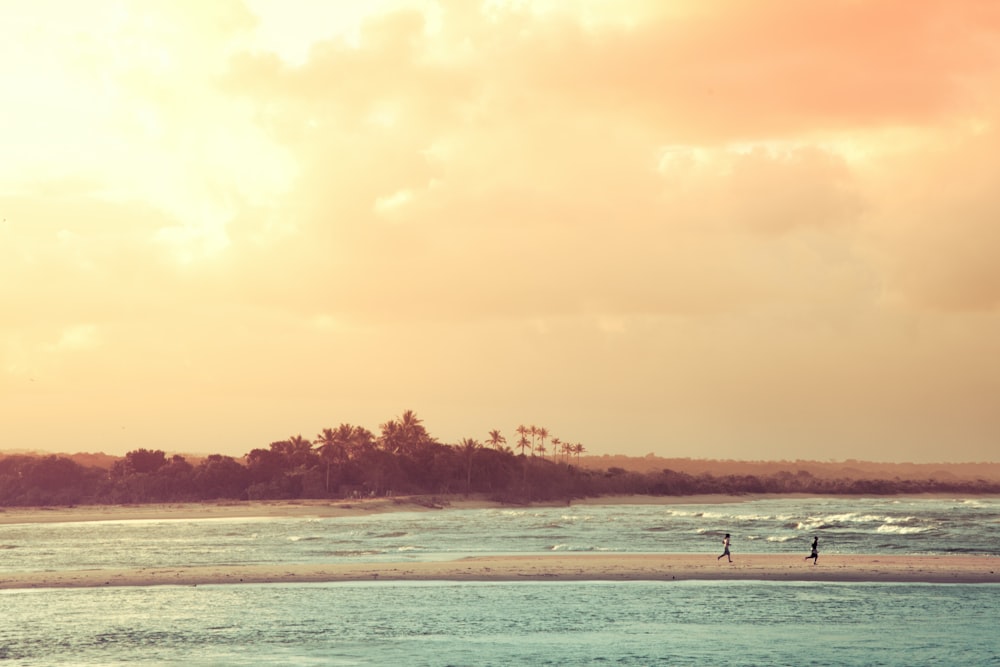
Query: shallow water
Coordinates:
[763,526]
[558,623]
[519,623]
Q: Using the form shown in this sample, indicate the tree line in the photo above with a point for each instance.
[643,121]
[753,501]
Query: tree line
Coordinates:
[350,461]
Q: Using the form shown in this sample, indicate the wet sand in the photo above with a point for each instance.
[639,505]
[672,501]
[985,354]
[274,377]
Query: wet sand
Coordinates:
[306,508]
[546,567]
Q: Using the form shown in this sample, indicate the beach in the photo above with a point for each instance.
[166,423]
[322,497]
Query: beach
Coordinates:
[575,567]
[335,508]
[498,568]
[300,508]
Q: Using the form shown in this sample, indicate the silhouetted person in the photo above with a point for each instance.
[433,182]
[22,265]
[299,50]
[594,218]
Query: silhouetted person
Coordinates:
[725,549]
[815,551]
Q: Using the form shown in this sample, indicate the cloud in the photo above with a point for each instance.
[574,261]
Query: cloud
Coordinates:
[520,198]
[937,226]
[79,337]
[634,207]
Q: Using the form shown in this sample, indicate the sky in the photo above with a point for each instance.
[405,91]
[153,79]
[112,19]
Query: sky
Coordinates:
[736,229]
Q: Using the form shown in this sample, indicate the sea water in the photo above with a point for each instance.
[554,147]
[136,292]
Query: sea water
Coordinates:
[522,623]
[516,623]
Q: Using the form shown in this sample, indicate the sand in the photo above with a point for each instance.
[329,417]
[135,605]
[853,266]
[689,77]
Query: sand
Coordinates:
[546,567]
[542,567]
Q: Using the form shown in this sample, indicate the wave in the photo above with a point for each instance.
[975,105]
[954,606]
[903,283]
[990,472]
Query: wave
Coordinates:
[904,519]
[756,517]
[355,553]
[547,526]
[568,547]
[900,530]
[810,526]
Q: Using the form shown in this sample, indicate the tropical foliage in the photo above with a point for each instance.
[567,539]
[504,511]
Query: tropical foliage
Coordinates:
[350,461]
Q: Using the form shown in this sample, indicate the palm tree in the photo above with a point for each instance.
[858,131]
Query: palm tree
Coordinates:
[495,440]
[523,443]
[335,445]
[411,430]
[534,432]
[567,449]
[540,448]
[328,444]
[578,449]
[542,434]
[468,447]
[357,441]
[390,438]
[297,451]
[556,447]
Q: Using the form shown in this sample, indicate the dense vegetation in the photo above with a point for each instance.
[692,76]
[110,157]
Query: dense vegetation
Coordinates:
[350,461]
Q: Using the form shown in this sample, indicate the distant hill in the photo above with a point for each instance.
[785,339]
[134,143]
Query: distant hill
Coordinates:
[89,459]
[849,469]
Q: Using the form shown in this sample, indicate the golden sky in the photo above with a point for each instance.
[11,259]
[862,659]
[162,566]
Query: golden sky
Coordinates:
[750,229]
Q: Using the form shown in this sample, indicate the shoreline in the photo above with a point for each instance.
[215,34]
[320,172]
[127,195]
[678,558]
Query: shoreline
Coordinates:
[964,568]
[853,568]
[262,509]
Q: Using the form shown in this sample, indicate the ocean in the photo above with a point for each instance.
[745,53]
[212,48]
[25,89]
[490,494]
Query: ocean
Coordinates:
[511,623]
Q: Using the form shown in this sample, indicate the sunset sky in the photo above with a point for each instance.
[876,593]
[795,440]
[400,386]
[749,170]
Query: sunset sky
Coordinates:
[748,229]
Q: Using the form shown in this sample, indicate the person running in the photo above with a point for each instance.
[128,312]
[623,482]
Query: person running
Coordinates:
[815,551]
[725,549]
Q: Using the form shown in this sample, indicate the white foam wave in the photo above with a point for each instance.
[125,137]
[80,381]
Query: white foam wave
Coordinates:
[754,517]
[896,519]
[809,526]
[900,530]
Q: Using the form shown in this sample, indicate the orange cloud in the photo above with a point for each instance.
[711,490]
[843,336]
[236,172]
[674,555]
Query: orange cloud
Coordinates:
[727,225]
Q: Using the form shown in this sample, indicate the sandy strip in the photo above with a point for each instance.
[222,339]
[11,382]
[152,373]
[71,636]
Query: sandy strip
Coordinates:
[577,567]
[305,508]
[334,508]
[215,510]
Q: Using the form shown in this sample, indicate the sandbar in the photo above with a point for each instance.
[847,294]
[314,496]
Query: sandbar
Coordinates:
[308,508]
[963,569]
[353,507]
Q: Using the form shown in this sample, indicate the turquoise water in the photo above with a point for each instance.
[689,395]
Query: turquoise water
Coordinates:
[519,623]
[879,525]
[436,623]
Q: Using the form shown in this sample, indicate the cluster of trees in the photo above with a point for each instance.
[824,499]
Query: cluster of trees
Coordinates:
[343,462]
[403,459]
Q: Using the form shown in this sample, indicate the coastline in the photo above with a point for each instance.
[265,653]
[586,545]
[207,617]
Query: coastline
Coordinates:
[535,567]
[333,508]
[963,569]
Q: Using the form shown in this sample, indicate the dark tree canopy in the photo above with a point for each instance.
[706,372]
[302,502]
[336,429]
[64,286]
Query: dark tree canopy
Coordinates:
[349,461]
